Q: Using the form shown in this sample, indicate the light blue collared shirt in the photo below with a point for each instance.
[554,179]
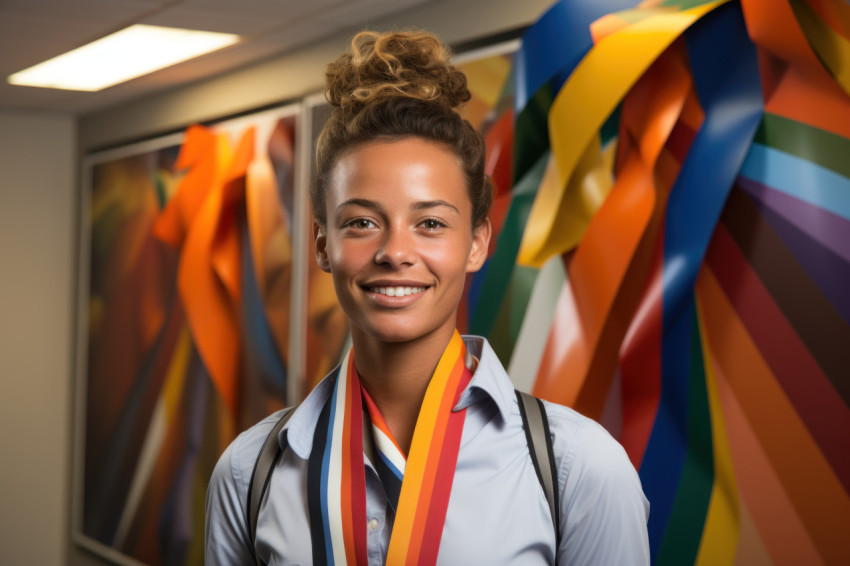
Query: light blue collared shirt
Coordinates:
[497,511]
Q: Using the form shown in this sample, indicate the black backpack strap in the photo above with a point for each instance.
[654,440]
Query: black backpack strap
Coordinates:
[536,426]
[269,456]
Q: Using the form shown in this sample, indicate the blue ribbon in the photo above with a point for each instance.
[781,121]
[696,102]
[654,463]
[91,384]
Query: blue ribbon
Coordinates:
[726,75]
[555,44]
[799,178]
[261,351]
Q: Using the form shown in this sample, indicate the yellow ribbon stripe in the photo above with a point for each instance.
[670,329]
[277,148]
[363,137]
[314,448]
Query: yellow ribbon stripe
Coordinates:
[719,543]
[582,105]
[832,48]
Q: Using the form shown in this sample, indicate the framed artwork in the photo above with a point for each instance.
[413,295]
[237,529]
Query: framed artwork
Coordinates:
[184,324]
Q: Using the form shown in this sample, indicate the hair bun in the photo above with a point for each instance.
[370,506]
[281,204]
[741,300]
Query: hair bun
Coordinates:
[380,67]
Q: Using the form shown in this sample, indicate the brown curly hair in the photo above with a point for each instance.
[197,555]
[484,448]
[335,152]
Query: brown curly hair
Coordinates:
[396,85]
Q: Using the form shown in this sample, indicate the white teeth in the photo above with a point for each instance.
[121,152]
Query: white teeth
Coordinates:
[397,291]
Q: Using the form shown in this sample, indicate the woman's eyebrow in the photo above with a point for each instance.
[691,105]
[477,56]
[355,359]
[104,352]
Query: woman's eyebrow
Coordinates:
[425,204]
[362,202]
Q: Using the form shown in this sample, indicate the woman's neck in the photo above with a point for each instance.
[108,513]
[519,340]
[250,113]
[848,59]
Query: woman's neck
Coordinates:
[396,375]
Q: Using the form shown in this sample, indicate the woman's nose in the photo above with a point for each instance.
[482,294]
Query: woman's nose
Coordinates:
[396,248]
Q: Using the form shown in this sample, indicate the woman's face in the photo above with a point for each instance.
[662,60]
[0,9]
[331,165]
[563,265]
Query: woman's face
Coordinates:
[398,239]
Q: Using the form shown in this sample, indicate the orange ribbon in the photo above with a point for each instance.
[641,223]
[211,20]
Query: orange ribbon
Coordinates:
[577,369]
[202,217]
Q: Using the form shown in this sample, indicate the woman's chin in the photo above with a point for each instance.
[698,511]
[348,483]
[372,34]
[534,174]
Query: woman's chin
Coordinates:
[400,333]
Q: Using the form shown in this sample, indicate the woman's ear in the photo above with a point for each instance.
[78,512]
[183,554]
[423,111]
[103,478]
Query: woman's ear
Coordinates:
[320,241]
[480,246]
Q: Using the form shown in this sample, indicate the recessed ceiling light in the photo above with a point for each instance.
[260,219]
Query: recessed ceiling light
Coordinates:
[132,52]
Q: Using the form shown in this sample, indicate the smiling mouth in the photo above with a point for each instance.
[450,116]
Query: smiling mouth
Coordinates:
[396,291]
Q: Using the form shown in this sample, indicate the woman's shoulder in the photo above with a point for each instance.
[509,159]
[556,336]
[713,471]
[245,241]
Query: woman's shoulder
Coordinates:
[603,508]
[584,450]
[236,463]
[239,458]
[568,426]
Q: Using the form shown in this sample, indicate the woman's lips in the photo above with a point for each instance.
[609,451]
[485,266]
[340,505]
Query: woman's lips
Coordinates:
[397,291]
[395,295]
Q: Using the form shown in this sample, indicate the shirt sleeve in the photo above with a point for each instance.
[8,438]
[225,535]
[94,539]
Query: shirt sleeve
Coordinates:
[603,509]
[226,537]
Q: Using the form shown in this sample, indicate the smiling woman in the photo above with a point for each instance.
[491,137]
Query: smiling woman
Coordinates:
[414,450]
[399,219]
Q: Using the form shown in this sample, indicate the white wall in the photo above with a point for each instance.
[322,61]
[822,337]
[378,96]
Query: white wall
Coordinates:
[37,247]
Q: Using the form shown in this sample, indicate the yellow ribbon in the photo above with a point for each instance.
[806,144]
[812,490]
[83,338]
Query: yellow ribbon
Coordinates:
[832,48]
[582,105]
[722,523]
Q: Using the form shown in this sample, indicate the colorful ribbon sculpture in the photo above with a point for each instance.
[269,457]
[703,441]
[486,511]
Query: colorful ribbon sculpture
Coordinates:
[686,163]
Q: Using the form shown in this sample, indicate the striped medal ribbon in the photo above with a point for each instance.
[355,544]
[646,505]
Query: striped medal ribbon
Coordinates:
[418,487]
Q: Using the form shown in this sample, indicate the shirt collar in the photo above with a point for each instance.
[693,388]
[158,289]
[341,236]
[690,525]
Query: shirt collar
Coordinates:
[299,431]
[490,380]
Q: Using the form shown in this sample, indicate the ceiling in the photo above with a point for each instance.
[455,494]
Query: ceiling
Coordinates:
[32,31]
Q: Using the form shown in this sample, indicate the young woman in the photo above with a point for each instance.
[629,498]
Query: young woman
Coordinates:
[413,450]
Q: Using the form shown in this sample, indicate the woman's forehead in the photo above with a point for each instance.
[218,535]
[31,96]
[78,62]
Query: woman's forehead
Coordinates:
[410,169]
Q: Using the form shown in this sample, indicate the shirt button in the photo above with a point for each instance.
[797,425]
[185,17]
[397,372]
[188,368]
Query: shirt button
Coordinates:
[373,524]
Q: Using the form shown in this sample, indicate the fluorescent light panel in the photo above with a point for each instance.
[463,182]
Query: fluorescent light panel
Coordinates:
[132,52]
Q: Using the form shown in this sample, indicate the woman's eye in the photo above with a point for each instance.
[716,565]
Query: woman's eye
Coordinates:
[432,224]
[360,223]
